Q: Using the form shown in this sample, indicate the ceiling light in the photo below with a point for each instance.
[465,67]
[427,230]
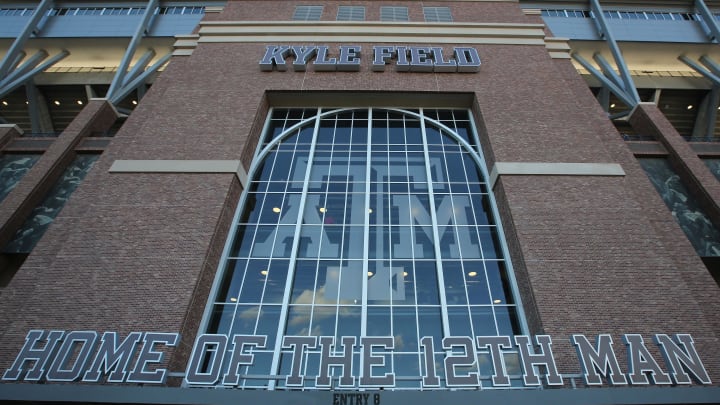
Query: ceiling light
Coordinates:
[405,273]
[370,210]
[276,210]
[370,273]
[233,299]
[322,209]
[690,107]
[80,102]
[5,103]
[57,102]
[612,105]
[497,301]
[472,274]
[134,102]
[264,272]
[27,102]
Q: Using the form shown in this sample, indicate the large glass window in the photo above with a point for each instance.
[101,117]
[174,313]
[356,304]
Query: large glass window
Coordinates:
[364,222]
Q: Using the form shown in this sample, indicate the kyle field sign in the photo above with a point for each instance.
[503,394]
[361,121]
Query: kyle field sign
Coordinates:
[87,356]
[347,58]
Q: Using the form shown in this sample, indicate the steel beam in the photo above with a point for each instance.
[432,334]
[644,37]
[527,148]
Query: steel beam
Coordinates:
[27,66]
[11,57]
[619,92]
[6,88]
[715,79]
[140,80]
[709,20]
[607,69]
[119,78]
[139,67]
[606,33]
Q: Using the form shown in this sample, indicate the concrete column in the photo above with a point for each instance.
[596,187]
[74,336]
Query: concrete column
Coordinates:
[98,115]
[647,118]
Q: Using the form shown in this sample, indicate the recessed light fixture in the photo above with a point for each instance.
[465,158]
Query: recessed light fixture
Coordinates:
[322,209]
[472,274]
[27,102]
[264,272]
[612,105]
[56,102]
[405,273]
[497,301]
[690,107]
[370,210]
[370,273]
[134,102]
[276,210]
[80,102]
[5,103]
[233,299]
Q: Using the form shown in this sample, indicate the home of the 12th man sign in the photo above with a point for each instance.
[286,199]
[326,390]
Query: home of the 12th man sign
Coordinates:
[85,356]
[347,58]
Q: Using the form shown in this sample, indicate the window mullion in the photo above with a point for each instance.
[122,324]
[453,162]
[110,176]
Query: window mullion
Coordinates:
[436,236]
[275,367]
[366,226]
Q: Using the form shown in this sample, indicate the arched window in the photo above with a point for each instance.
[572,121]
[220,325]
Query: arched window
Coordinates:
[364,222]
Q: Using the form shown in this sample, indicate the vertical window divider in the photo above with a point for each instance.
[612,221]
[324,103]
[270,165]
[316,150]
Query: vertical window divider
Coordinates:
[293,257]
[366,229]
[436,235]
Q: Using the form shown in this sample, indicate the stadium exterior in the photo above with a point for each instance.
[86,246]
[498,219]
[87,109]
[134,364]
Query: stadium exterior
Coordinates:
[360,202]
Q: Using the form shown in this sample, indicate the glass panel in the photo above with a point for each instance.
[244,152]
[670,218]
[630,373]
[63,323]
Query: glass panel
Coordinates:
[366,252]
[43,215]
[12,169]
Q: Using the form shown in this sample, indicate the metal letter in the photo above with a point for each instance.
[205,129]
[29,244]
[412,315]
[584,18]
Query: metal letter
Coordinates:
[381,55]
[207,354]
[322,63]
[496,344]
[349,58]
[29,353]
[302,56]
[344,360]
[420,59]
[545,357]
[369,361]
[402,64]
[641,361]
[111,357]
[442,65]
[57,371]
[601,359]
[148,355]
[676,358]
[467,59]
[298,344]
[430,377]
[274,56]
[239,358]
[468,359]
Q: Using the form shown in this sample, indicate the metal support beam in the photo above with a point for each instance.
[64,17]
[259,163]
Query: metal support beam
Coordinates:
[605,32]
[140,80]
[119,78]
[6,88]
[715,79]
[708,19]
[139,67]
[607,69]
[619,92]
[11,57]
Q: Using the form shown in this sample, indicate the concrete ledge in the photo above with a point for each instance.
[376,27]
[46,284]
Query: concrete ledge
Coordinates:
[553,169]
[181,166]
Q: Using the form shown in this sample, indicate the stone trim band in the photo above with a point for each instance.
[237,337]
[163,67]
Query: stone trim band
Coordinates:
[181,166]
[554,169]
